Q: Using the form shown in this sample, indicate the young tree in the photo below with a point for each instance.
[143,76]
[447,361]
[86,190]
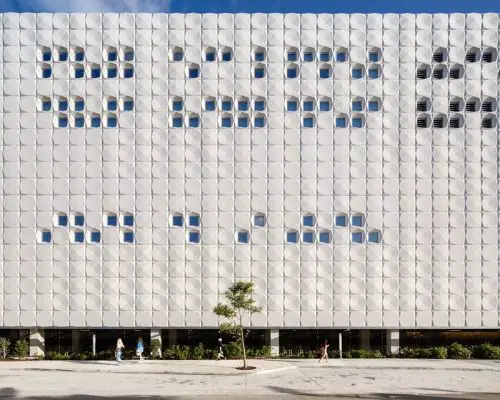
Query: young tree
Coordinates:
[4,347]
[240,300]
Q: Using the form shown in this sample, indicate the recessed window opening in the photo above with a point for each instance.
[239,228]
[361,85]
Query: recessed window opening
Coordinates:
[259,220]
[209,104]
[45,54]
[77,54]
[308,121]
[489,122]
[456,104]
[111,104]
[243,121]
[242,237]
[77,71]
[292,237]
[127,104]
[193,71]
[489,55]
[226,54]
[95,120]
[472,55]
[226,121]
[489,105]
[439,72]
[176,104]
[440,55]
[194,236]
[341,220]
[325,71]
[325,236]
[423,121]
[226,104]
[44,71]
[111,219]
[456,71]
[95,236]
[176,120]
[259,54]
[45,236]
[374,55]
[210,54]
[357,121]
[111,54]
[177,220]
[78,219]
[62,53]
[358,237]
[193,120]
[292,104]
[439,121]
[308,104]
[44,104]
[357,104]
[308,237]
[78,120]
[78,236]
[259,121]
[325,54]
[127,236]
[176,54]
[325,104]
[243,104]
[423,71]
[194,220]
[374,71]
[374,237]
[456,121]
[308,54]
[292,71]
[374,104]
[341,121]
[127,71]
[341,55]
[62,120]
[259,104]
[111,71]
[308,220]
[62,219]
[292,54]
[259,71]
[95,71]
[111,121]
[78,104]
[357,72]
[127,54]
[472,104]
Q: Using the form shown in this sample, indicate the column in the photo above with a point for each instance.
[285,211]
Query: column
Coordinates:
[273,341]
[75,340]
[156,335]
[172,337]
[392,342]
[37,342]
[365,339]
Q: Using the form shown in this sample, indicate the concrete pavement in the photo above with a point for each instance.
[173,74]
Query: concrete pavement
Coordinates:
[275,379]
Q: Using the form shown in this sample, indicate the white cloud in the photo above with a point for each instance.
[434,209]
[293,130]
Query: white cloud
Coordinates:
[104,5]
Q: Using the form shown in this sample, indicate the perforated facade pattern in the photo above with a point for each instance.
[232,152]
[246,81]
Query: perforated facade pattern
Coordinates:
[346,164]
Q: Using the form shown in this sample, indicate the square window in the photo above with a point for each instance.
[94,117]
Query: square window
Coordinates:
[308,237]
[242,122]
[128,105]
[79,105]
[243,105]
[291,73]
[357,220]
[373,106]
[291,105]
[259,56]
[112,220]
[194,73]
[259,122]
[340,122]
[46,237]
[46,106]
[242,237]
[112,73]
[129,56]
[79,122]
[95,237]
[324,105]
[357,106]
[324,56]
[291,56]
[259,220]
[79,220]
[308,220]
[259,105]
[177,56]
[177,105]
[79,56]
[210,105]
[128,220]
[324,73]
[63,122]
[112,56]
[259,73]
[112,105]
[177,122]
[63,105]
[46,56]
[79,236]
[128,73]
[357,123]
[46,73]
[194,237]
[95,122]
[324,237]
[63,56]
[95,73]
[340,57]
[226,56]
[210,57]
[79,73]
[194,220]
[357,237]
[112,122]
[357,73]
[308,57]
[308,122]
[373,73]
[308,106]
[62,220]
[373,237]
[128,237]
[227,105]
[341,220]
[373,56]
[226,122]
[292,237]
[194,122]
[177,220]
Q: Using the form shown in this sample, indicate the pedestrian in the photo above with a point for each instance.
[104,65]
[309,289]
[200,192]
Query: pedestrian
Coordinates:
[324,351]
[139,349]
[220,354]
[118,352]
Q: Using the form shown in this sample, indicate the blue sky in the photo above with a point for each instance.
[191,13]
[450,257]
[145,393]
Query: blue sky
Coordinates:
[251,6]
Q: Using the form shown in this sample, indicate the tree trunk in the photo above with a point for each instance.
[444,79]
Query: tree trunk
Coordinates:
[242,337]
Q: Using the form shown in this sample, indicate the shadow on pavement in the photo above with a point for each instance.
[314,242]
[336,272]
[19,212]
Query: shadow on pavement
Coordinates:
[11,393]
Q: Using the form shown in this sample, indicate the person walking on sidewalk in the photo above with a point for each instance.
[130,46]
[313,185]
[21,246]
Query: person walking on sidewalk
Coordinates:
[324,351]
[139,349]
[220,354]
[118,352]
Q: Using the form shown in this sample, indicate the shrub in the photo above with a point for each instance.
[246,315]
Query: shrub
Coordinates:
[458,352]
[233,350]
[52,355]
[155,348]
[4,347]
[361,353]
[22,348]
[198,352]
[176,352]
[486,351]
[425,352]
[439,352]
[78,356]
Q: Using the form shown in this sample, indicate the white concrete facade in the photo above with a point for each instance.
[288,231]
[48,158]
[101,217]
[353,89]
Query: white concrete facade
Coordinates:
[346,164]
